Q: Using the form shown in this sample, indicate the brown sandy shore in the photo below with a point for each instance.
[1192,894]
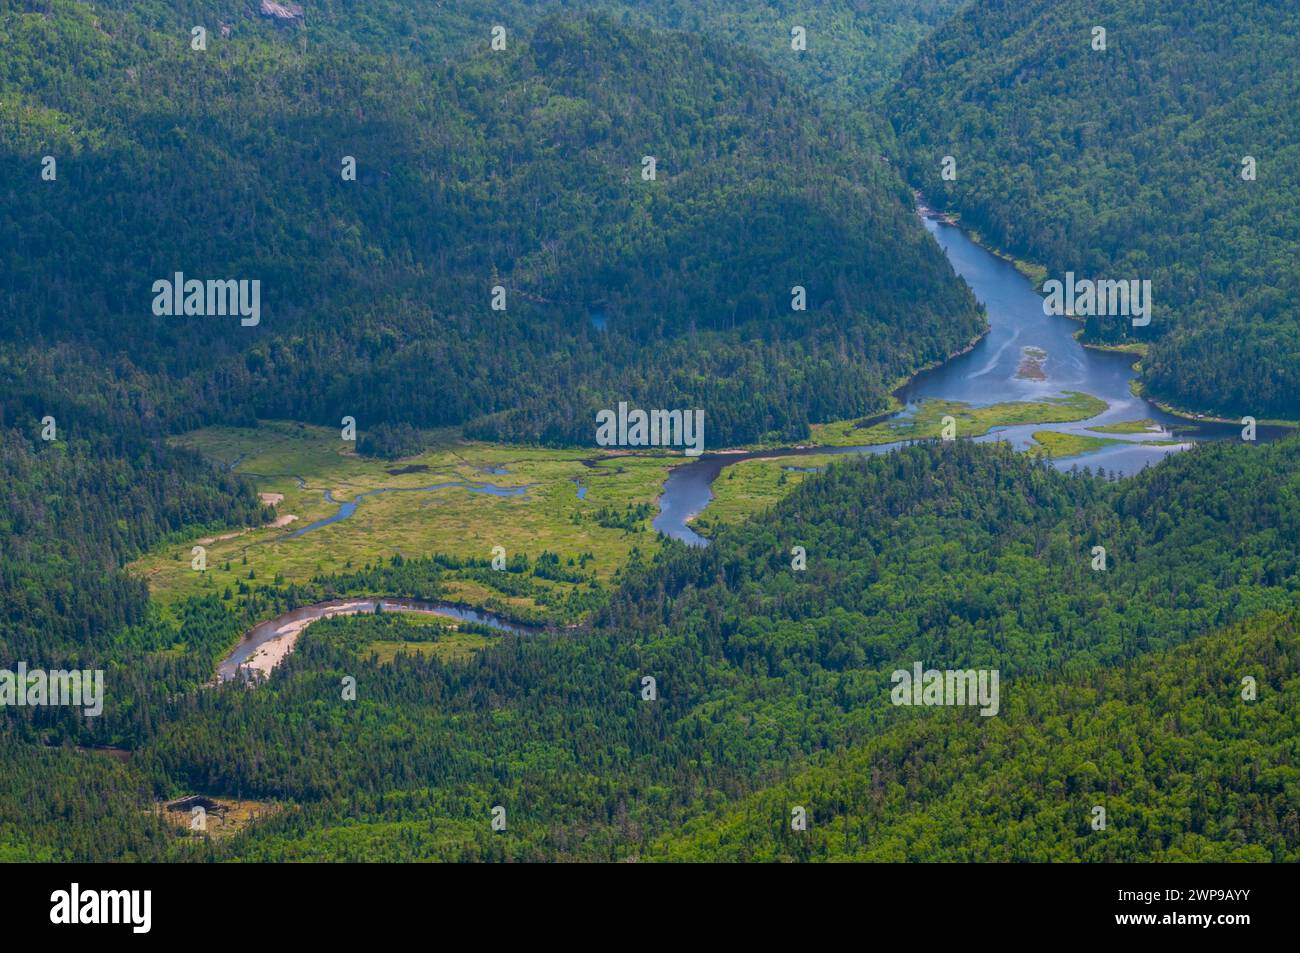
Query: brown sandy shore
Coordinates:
[268,643]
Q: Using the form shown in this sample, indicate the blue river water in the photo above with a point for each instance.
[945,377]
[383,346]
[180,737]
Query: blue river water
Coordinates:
[990,373]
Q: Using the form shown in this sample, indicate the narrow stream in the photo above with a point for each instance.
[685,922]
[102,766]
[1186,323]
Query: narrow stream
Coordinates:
[347,507]
[279,635]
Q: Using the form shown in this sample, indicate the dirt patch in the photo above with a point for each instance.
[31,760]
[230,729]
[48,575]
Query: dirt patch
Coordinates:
[276,523]
[1032,360]
[209,540]
[216,818]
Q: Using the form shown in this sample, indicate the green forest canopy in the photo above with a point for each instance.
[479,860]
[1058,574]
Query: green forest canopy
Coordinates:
[1127,163]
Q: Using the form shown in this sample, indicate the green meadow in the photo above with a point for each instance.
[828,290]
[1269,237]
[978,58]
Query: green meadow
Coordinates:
[749,487]
[1146,425]
[301,463]
[927,421]
[1059,445]
[434,501]
[447,644]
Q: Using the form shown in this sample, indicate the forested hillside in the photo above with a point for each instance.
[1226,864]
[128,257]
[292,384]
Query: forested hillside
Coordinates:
[1127,163]
[520,168]
[956,556]
[853,48]
[1185,767]
[75,508]
[683,700]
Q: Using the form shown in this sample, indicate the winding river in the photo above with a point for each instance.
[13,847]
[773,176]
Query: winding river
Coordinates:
[265,644]
[988,374]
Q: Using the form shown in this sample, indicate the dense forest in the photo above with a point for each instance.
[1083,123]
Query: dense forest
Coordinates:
[1131,163]
[76,507]
[683,711]
[1185,768]
[520,169]
[852,47]
[772,682]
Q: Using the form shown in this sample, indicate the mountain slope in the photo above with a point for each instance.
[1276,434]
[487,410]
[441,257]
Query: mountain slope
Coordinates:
[1127,164]
[1185,768]
[520,169]
[954,556]
[853,49]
